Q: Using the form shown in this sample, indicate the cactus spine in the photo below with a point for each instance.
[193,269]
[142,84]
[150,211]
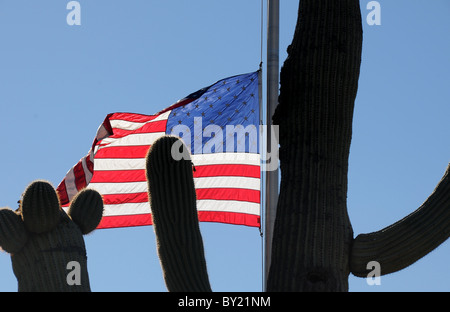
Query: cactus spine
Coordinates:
[43,239]
[174,212]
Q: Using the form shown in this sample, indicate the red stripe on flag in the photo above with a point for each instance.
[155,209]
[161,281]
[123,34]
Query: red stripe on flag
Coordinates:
[115,199]
[132,117]
[119,176]
[89,163]
[203,216]
[229,194]
[229,217]
[125,221]
[139,151]
[62,192]
[151,127]
[227,170]
[80,180]
[123,176]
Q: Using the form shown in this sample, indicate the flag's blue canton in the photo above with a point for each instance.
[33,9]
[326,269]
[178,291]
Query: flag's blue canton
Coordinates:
[225,118]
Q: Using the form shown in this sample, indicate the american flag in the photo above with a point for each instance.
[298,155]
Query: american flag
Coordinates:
[219,123]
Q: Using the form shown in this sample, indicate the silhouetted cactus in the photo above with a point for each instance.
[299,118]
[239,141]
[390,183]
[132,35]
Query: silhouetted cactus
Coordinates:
[313,248]
[174,212]
[40,207]
[86,219]
[43,239]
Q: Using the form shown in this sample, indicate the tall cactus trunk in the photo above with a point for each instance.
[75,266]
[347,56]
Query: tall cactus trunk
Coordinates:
[312,234]
[174,212]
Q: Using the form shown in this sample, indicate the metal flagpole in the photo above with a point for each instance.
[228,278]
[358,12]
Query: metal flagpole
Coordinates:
[273,12]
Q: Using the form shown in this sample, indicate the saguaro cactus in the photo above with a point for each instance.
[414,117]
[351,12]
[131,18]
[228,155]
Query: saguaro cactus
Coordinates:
[313,246]
[319,79]
[43,239]
[174,212]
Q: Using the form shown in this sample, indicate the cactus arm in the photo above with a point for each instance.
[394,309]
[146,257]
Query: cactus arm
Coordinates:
[406,241]
[86,210]
[174,212]
[40,208]
[13,235]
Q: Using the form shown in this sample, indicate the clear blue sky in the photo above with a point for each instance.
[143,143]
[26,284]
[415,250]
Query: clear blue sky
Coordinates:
[58,82]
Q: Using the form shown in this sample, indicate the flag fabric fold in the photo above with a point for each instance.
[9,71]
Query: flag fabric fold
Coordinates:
[220,126]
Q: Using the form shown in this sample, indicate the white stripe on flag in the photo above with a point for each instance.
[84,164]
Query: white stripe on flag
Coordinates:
[105,164]
[228,206]
[200,183]
[70,183]
[228,182]
[136,139]
[202,205]
[119,188]
[87,173]
[226,158]
[126,209]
